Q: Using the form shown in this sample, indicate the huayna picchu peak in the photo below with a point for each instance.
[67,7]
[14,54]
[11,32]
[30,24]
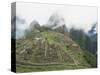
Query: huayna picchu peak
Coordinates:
[53,37]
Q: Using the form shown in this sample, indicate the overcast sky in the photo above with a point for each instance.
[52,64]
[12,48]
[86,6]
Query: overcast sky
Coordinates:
[76,16]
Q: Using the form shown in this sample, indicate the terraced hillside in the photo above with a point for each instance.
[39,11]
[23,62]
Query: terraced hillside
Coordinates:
[48,50]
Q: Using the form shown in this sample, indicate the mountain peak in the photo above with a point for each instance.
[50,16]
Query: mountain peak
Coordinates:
[34,24]
[55,20]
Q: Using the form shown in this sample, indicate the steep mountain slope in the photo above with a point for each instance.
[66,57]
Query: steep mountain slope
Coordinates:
[56,20]
[48,50]
[57,23]
[92,34]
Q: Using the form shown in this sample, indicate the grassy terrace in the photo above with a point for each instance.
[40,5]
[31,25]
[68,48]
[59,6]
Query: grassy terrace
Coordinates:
[50,67]
[66,55]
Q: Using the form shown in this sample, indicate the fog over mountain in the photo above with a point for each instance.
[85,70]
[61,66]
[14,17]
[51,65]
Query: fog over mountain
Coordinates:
[55,20]
[54,37]
[18,27]
[79,17]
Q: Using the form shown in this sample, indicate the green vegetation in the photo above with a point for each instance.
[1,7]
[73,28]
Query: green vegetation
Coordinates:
[91,59]
[44,49]
[87,43]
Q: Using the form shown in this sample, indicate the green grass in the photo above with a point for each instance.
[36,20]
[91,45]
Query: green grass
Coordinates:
[29,68]
[72,56]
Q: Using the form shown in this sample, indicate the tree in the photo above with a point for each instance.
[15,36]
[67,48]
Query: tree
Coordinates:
[78,36]
[92,34]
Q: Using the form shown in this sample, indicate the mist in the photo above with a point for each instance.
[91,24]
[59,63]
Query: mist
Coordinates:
[78,17]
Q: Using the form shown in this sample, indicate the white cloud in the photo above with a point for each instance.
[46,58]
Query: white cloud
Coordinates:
[77,16]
